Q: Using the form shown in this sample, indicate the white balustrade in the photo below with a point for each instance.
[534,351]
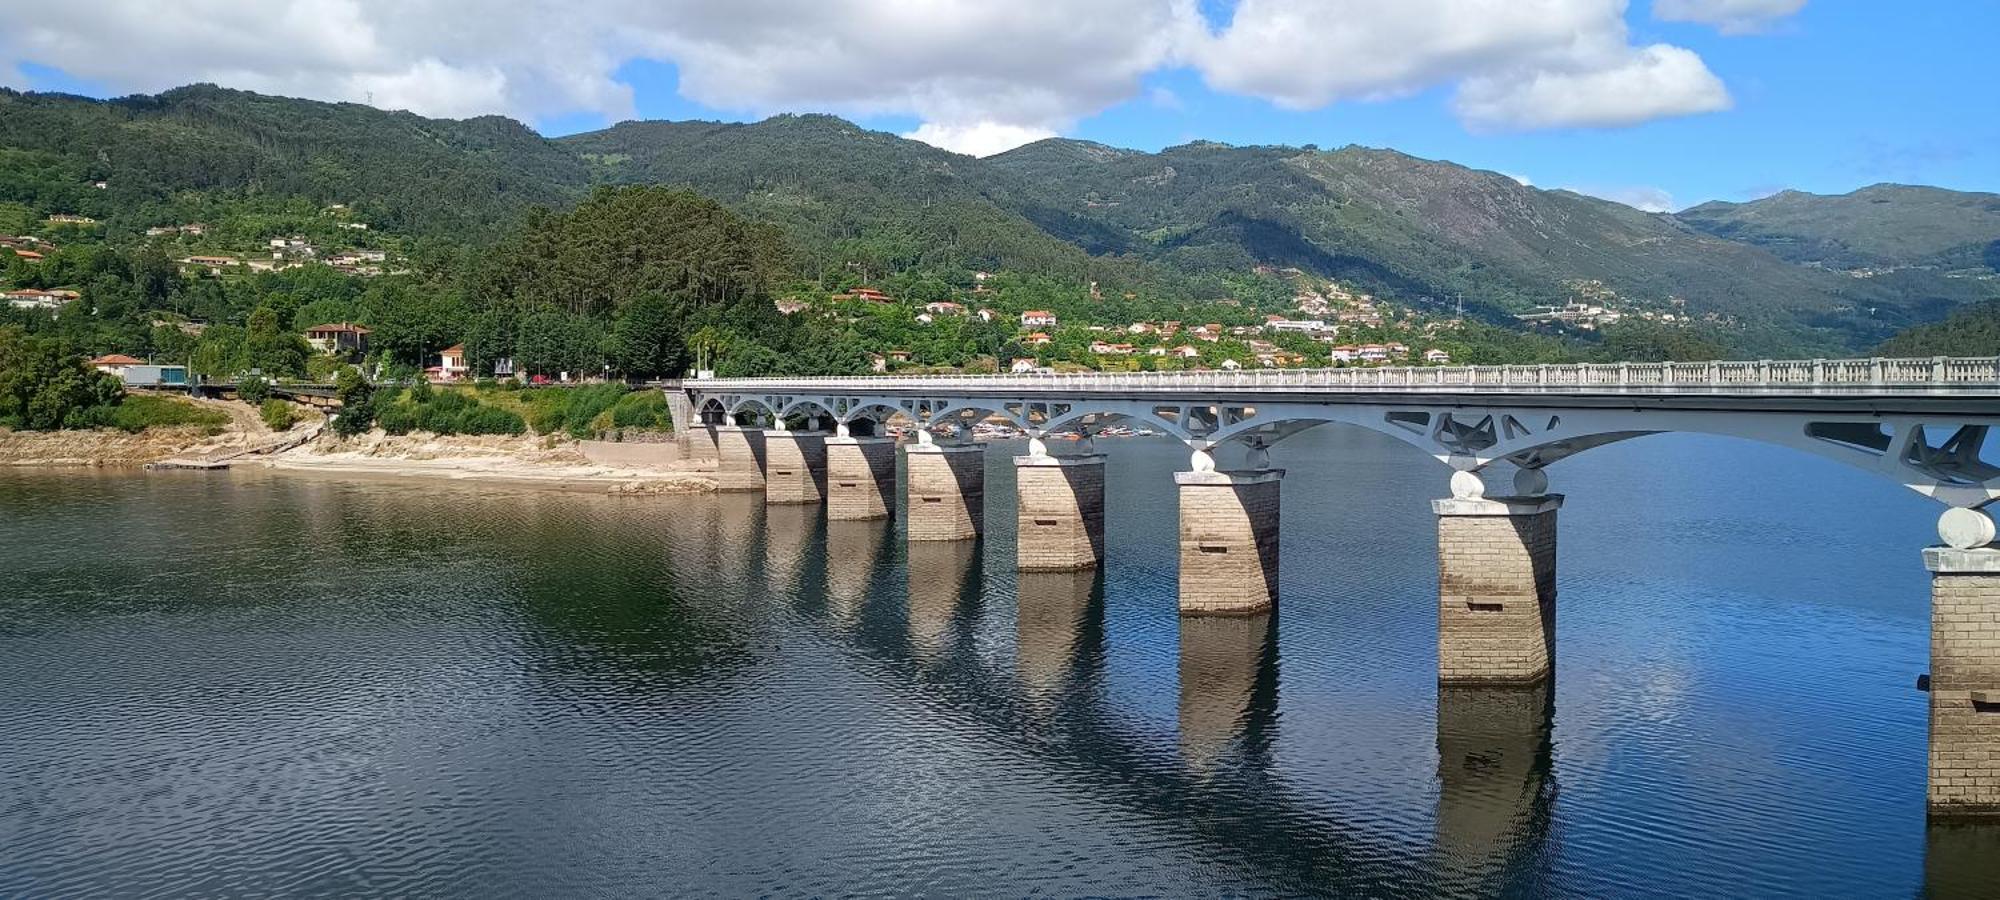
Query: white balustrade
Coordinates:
[1939,374]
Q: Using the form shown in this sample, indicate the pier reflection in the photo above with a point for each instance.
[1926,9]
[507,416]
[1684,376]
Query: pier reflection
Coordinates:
[853,549]
[1496,792]
[738,517]
[1229,687]
[1962,859]
[939,574]
[789,533]
[1059,622]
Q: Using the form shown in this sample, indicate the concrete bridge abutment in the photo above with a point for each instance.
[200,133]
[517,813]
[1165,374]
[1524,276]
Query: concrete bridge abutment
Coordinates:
[739,452]
[947,491]
[1061,512]
[1228,541]
[794,467]
[1964,779]
[860,478]
[1496,588]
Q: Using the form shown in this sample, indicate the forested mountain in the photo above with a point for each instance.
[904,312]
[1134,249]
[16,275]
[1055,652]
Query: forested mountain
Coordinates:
[1881,226]
[400,171]
[1187,224]
[1418,228]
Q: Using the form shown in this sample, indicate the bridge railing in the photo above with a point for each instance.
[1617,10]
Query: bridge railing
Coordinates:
[1936,373]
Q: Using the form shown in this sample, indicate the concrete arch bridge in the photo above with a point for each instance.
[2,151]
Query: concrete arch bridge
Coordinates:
[1929,424]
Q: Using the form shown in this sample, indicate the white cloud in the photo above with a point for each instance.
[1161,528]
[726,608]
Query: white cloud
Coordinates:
[1657,82]
[1521,180]
[1730,16]
[1644,199]
[1517,63]
[974,73]
[978,139]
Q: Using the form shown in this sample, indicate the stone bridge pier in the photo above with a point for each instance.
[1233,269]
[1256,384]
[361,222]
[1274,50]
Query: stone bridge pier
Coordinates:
[1496,581]
[860,477]
[1964,680]
[1228,537]
[740,454]
[794,466]
[1061,510]
[947,491]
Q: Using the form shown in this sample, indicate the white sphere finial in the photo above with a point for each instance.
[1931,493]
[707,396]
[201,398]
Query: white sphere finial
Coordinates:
[1531,483]
[1966,529]
[1467,486]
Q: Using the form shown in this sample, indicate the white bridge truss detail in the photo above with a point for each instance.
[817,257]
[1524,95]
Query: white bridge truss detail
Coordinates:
[1925,424]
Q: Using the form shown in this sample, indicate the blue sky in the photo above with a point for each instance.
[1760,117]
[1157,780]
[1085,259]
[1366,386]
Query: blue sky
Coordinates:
[1829,97]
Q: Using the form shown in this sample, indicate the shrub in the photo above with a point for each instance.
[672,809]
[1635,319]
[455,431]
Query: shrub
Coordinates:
[253,390]
[575,410]
[142,411]
[643,410]
[490,420]
[278,414]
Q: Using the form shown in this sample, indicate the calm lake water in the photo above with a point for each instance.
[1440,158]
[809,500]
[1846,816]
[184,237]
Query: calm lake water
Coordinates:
[254,684]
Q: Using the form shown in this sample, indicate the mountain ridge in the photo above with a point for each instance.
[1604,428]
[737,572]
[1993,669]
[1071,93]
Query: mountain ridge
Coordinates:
[1186,219]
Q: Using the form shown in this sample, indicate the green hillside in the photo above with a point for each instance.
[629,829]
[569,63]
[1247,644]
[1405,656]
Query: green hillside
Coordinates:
[1881,226]
[1190,225]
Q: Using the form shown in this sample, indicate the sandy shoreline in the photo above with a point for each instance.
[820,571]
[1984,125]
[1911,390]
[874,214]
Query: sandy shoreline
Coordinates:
[485,470]
[535,462]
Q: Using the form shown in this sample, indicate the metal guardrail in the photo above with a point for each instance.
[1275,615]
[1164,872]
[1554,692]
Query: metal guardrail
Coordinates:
[1937,374]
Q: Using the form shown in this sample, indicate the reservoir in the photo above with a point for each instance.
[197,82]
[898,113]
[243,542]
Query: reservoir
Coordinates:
[254,683]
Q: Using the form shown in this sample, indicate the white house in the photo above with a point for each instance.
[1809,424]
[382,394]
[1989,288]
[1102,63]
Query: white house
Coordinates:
[1435,355]
[1038,318]
[451,363]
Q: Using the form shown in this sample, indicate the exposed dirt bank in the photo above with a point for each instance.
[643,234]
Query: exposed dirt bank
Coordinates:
[531,461]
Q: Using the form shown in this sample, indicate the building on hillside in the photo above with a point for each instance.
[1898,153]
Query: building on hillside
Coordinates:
[1022,366]
[870,295]
[1141,328]
[1302,326]
[34,299]
[1372,353]
[924,318]
[1106,348]
[789,305]
[878,363]
[115,364]
[28,255]
[154,376]
[1038,318]
[898,357]
[1230,365]
[1437,356]
[944,308]
[1039,339]
[987,315]
[451,363]
[343,339]
[68,219]
[1346,353]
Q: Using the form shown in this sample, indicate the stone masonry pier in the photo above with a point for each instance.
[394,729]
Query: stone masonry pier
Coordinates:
[1228,541]
[739,458]
[1060,524]
[1496,589]
[860,478]
[1964,682]
[794,467]
[947,491]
